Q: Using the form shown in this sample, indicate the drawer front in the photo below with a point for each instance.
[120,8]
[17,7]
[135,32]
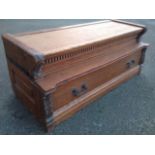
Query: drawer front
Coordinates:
[73,89]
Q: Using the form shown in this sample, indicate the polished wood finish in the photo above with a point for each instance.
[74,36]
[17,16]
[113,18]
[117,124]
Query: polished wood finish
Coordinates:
[68,110]
[93,79]
[26,90]
[75,37]
[56,72]
[36,51]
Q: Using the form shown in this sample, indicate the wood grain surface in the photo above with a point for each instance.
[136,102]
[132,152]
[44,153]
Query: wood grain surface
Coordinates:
[57,72]
[56,41]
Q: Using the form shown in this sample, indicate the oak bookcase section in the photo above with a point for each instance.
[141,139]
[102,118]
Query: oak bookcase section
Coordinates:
[56,72]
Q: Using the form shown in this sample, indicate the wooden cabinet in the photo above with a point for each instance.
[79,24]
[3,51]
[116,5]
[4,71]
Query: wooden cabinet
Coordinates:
[56,72]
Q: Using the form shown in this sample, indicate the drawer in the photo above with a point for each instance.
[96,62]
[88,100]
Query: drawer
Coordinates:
[77,87]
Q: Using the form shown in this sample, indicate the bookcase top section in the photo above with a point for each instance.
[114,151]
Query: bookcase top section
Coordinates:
[54,41]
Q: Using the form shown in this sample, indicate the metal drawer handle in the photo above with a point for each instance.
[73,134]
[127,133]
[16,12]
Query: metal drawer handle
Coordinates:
[83,87]
[77,92]
[131,63]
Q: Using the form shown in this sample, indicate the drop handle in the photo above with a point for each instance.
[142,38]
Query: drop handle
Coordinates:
[84,87]
[77,92]
[131,63]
